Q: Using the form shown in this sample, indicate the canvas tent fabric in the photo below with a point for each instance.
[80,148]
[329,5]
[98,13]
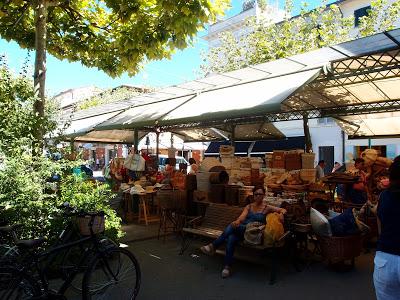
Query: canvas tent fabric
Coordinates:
[371,125]
[364,71]
[248,98]
[361,71]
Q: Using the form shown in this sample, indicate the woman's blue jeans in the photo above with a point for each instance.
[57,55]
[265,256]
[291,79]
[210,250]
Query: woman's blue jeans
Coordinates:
[231,236]
[387,276]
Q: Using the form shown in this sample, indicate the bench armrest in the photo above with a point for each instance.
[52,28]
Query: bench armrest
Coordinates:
[283,237]
[194,222]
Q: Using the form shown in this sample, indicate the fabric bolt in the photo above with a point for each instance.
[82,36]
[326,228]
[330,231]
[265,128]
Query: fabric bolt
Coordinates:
[320,223]
[387,276]
[356,196]
[344,224]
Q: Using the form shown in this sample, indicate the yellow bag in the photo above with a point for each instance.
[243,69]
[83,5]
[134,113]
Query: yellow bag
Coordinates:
[273,229]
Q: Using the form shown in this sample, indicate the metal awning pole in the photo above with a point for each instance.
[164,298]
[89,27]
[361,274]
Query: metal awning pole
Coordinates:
[136,140]
[307,135]
[157,144]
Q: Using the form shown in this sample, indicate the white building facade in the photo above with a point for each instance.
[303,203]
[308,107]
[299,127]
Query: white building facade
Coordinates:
[329,141]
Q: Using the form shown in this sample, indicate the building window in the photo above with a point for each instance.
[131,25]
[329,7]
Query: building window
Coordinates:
[325,121]
[359,13]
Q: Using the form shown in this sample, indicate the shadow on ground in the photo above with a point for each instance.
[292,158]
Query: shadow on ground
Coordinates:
[167,275]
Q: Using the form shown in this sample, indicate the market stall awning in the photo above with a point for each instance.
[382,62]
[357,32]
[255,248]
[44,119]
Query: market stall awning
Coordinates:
[364,71]
[110,136]
[371,125]
[342,80]
[82,126]
[247,98]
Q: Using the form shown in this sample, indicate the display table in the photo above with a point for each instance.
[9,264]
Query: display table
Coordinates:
[143,211]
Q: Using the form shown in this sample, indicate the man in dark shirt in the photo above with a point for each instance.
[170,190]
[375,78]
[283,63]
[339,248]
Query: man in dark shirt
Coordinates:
[387,259]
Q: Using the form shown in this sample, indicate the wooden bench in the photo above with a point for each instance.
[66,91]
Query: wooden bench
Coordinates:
[213,223]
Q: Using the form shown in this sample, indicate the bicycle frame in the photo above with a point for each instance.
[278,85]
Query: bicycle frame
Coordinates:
[50,255]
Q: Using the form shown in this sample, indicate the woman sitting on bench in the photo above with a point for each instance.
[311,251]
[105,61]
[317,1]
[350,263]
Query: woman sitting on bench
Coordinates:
[234,233]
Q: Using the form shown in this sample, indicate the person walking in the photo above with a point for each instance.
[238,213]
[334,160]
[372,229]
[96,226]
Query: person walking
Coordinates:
[387,258]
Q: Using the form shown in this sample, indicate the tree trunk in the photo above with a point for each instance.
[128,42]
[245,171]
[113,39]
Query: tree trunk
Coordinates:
[40,70]
[307,135]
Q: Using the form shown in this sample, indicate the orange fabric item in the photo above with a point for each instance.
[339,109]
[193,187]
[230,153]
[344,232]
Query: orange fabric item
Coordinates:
[273,229]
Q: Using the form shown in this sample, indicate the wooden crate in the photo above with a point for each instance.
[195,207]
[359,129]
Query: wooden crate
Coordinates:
[307,160]
[293,161]
[278,159]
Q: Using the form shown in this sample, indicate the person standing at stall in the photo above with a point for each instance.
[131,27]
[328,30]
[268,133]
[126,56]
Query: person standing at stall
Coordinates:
[193,168]
[387,258]
[357,193]
[320,170]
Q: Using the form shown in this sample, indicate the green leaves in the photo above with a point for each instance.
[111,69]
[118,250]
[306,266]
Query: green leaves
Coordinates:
[18,121]
[321,27]
[112,35]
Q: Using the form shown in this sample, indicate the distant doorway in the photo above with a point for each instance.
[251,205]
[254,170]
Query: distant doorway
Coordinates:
[327,153]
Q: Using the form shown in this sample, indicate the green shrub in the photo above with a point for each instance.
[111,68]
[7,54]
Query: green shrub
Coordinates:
[91,197]
[25,194]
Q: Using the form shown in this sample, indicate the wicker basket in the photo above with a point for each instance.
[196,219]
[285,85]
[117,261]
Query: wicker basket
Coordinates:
[308,175]
[172,199]
[203,181]
[307,160]
[84,223]
[232,194]
[244,193]
[336,249]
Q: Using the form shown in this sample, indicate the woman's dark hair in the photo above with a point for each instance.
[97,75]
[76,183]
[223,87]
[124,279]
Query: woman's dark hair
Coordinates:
[259,187]
[394,171]
[192,161]
[167,161]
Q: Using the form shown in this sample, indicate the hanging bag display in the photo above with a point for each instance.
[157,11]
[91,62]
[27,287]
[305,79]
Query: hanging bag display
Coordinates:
[135,162]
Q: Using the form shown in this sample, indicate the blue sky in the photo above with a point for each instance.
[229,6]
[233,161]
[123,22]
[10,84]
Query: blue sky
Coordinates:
[183,66]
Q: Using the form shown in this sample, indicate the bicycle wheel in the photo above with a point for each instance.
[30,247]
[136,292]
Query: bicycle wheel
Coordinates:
[17,285]
[71,262]
[114,273]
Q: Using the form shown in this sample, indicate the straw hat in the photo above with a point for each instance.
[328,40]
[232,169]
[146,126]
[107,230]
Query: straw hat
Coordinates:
[137,190]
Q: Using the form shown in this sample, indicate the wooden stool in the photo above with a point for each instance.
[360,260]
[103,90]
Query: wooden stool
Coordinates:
[144,210]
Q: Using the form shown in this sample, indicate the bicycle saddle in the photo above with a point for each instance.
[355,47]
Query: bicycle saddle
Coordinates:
[30,244]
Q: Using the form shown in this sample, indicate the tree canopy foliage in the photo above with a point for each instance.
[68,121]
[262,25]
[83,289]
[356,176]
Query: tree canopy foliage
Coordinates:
[112,35]
[321,27]
[18,120]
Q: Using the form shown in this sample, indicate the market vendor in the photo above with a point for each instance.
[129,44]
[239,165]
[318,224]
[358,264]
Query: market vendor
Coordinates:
[357,193]
[193,168]
[234,233]
[320,170]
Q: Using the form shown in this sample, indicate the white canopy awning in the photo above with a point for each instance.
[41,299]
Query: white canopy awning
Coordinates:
[372,125]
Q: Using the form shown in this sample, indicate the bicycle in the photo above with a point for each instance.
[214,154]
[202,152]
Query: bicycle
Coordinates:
[111,270]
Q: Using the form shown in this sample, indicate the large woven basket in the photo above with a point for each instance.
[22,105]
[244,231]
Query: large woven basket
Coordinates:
[172,199]
[84,224]
[307,160]
[336,249]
